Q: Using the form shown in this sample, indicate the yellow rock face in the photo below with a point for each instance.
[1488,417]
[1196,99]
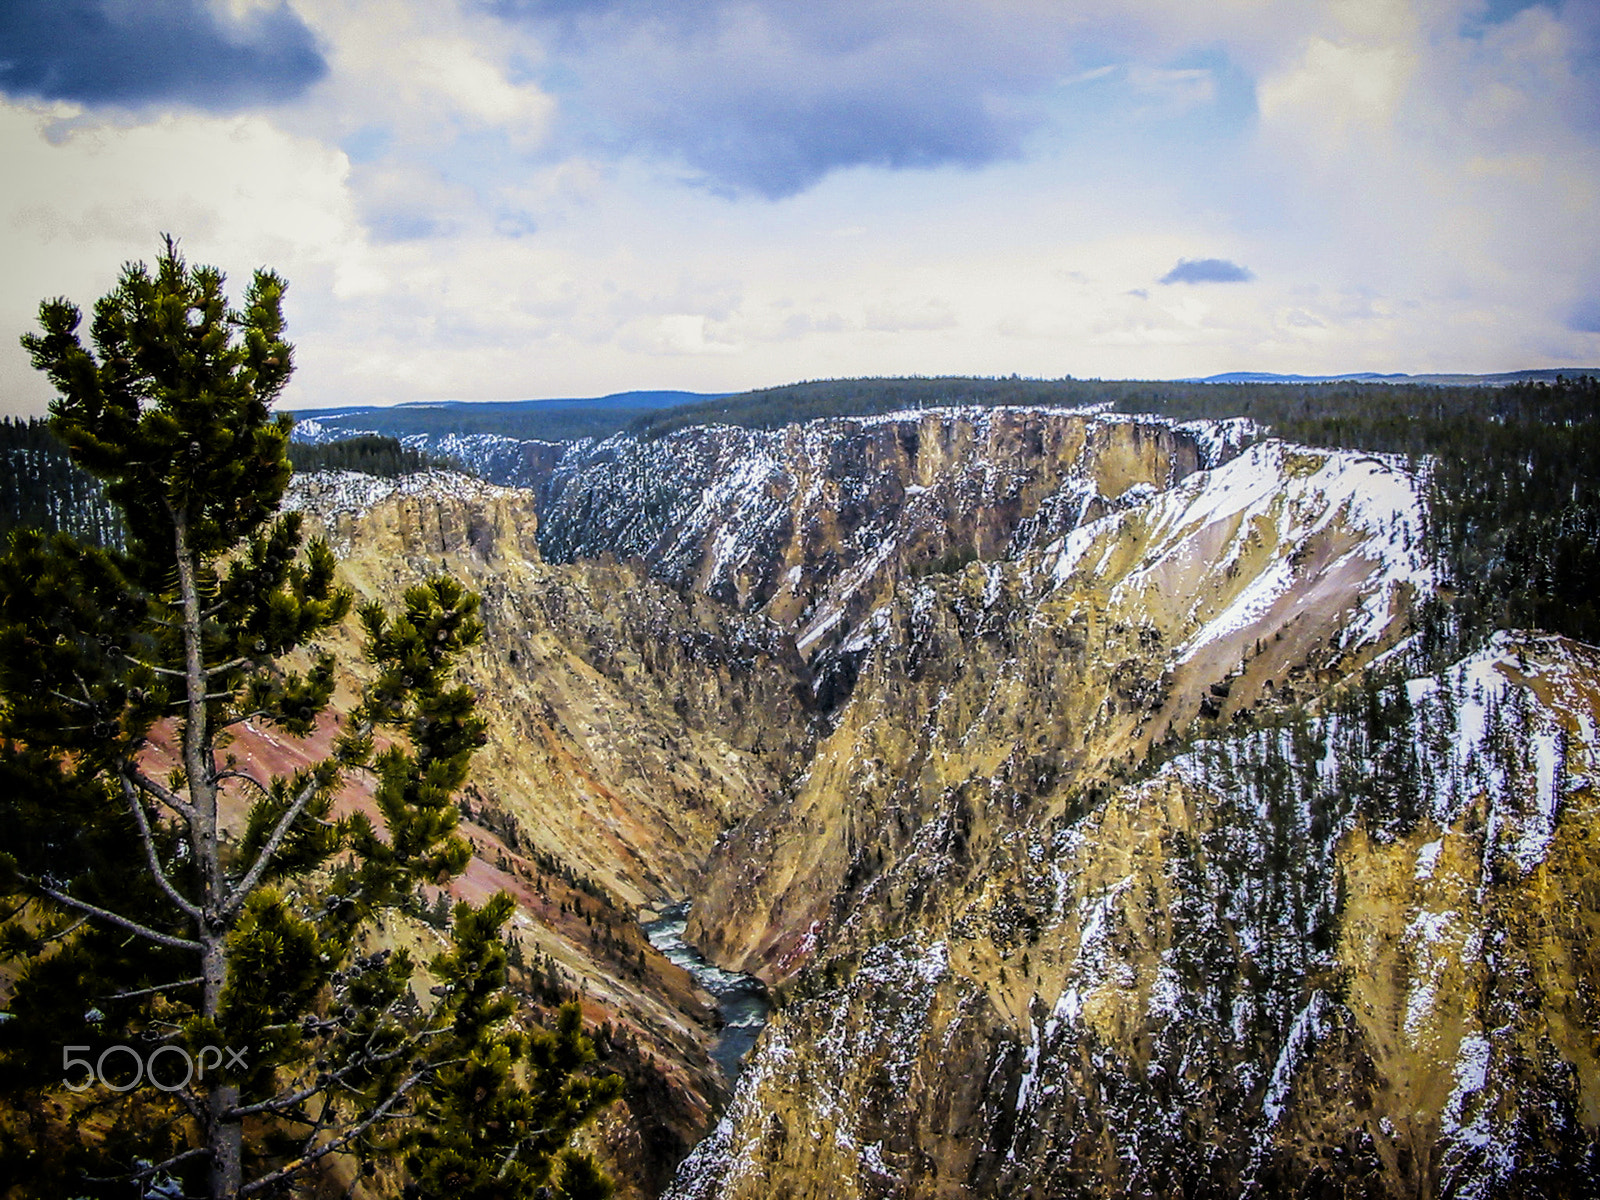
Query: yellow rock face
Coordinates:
[1031,765]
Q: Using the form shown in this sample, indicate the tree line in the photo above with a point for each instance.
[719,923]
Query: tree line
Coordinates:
[367,453]
[41,487]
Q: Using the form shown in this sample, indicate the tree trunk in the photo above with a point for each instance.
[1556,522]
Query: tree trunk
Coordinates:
[224,1135]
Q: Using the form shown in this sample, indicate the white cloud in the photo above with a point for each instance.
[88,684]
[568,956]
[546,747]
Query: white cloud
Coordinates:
[1334,94]
[78,200]
[422,73]
[1407,196]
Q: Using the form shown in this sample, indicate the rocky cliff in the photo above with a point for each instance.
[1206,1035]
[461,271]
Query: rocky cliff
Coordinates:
[1072,780]
[1263,969]
[629,726]
[816,525]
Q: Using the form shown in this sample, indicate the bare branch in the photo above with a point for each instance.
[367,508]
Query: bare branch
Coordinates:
[185,1156]
[236,773]
[160,987]
[360,1058]
[241,718]
[111,918]
[280,1104]
[281,831]
[136,806]
[147,1172]
[343,1140]
[166,795]
[324,1114]
[149,666]
[67,932]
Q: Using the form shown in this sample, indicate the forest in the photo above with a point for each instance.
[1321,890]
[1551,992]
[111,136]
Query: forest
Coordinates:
[368,453]
[41,488]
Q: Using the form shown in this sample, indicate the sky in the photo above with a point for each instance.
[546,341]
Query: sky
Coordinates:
[495,199]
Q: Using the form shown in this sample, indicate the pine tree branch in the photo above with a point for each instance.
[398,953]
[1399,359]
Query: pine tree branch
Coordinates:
[339,1143]
[236,773]
[65,933]
[147,1172]
[283,1103]
[279,832]
[166,795]
[280,1104]
[197,1109]
[360,1058]
[185,1156]
[516,1149]
[230,722]
[325,1114]
[160,987]
[139,662]
[136,806]
[111,918]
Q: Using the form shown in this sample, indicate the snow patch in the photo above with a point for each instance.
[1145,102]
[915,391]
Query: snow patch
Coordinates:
[1312,1023]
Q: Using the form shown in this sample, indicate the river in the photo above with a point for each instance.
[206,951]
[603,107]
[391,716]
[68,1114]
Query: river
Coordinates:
[741,999]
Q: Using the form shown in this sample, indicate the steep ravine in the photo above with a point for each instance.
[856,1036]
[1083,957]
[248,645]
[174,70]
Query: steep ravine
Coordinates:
[629,726]
[816,525]
[1235,977]
[1027,756]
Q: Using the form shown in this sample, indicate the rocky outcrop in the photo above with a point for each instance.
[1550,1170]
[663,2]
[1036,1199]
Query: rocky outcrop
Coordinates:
[432,516]
[816,525]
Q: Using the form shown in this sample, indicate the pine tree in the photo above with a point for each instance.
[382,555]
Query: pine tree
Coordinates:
[158,943]
[439,912]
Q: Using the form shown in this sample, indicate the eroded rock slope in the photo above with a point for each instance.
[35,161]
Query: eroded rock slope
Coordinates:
[1063,775]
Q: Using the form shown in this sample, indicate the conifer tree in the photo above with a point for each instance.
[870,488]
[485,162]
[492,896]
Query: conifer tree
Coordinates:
[182,930]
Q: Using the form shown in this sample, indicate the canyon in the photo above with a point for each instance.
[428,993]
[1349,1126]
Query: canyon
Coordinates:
[1075,783]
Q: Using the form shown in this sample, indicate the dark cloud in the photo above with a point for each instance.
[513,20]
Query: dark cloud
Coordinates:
[101,52]
[769,96]
[778,145]
[1585,316]
[1207,270]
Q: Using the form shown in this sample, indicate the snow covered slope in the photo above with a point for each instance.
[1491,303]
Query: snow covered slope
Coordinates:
[1290,955]
[1045,765]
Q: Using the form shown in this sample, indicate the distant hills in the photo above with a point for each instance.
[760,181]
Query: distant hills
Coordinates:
[444,426]
[559,420]
[1546,375]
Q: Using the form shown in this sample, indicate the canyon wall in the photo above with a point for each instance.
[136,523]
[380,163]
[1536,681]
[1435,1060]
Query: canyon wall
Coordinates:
[1073,782]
